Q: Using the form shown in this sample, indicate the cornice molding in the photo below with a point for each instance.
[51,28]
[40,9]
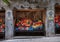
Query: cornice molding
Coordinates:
[19,4]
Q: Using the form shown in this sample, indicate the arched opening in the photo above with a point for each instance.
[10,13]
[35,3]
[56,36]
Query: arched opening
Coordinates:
[2,23]
[29,22]
[57,18]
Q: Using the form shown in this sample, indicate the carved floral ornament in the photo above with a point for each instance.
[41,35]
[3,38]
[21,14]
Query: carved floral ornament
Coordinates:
[25,3]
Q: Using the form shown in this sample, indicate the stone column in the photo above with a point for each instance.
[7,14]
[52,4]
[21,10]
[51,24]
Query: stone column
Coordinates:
[50,29]
[9,29]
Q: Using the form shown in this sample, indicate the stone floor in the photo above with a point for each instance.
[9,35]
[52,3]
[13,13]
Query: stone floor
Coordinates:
[43,39]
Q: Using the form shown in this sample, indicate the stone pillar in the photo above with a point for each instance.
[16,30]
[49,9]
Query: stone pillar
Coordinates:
[9,29]
[50,29]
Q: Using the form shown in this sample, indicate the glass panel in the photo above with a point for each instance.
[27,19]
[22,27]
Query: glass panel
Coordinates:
[57,20]
[29,22]
[2,24]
